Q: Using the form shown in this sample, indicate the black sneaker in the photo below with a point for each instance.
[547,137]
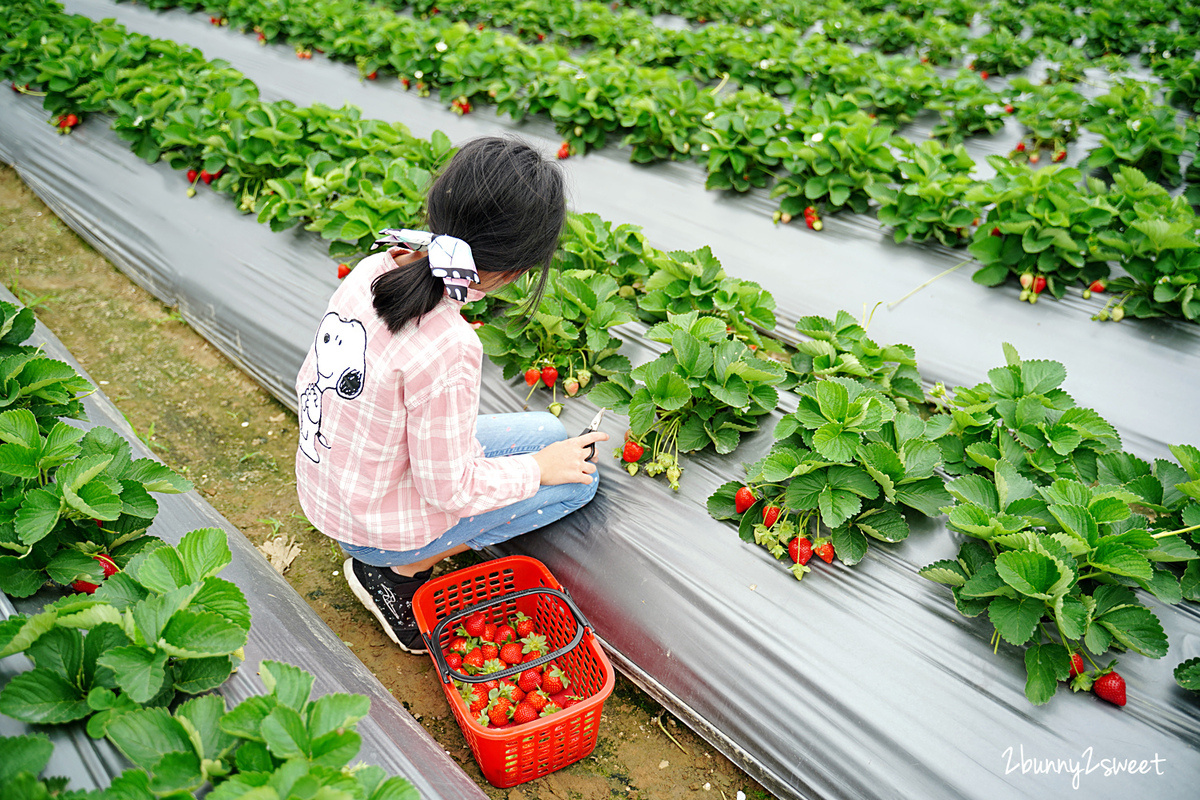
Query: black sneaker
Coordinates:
[389,597]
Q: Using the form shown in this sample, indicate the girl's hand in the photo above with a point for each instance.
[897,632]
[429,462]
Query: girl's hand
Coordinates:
[566,461]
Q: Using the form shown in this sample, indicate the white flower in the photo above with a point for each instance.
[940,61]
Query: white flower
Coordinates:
[704,147]
[441,47]
[418,74]
[764,64]
[709,115]
[1136,124]
[818,137]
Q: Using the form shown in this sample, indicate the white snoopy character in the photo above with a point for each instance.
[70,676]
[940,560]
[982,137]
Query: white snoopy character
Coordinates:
[341,357]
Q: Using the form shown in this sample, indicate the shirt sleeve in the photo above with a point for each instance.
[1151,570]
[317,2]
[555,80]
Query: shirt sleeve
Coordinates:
[448,466]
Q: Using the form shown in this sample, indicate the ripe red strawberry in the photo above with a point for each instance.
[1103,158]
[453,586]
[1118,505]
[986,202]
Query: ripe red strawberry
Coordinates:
[511,653]
[743,499]
[825,552]
[770,514]
[489,633]
[505,634]
[1097,286]
[800,550]
[523,713]
[1034,158]
[1059,155]
[476,699]
[537,699]
[192,175]
[549,376]
[532,376]
[262,37]
[632,452]
[1020,147]
[1076,664]
[473,659]
[374,74]
[512,691]
[107,564]
[541,37]
[475,624]
[460,645]
[530,680]
[72,120]
[524,625]
[453,660]
[405,82]
[1110,687]
[499,710]
[343,271]
[554,681]
[564,150]
[490,650]
[206,176]
[983,74]
[1039,284]
[1008,109]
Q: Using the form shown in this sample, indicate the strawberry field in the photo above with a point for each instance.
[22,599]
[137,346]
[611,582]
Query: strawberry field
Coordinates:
[1012,487]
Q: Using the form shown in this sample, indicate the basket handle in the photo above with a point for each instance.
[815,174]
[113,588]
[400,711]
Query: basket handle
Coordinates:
[433,638]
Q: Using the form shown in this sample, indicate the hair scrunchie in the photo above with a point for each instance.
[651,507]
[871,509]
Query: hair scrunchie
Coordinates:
[449,257]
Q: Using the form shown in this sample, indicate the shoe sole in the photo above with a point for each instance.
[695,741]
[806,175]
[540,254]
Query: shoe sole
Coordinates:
[368,602]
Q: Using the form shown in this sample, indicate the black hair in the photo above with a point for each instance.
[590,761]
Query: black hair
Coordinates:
[501,197]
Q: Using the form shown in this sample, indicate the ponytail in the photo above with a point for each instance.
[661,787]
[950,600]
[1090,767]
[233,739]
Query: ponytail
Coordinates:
[405,293]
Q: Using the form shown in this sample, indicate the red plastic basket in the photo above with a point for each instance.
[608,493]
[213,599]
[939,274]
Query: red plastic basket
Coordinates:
[510,756]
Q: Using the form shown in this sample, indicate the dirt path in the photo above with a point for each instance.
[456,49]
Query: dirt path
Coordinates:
[206,419]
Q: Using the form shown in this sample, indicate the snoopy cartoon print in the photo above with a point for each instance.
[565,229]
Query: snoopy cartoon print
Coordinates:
[341,358]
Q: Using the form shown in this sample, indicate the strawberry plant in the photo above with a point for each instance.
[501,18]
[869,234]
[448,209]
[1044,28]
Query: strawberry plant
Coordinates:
[72,496]
[838,152]
[25,758]
[594,244]
[1137,132]
[846,459]
[683,281]
[1181,77]
[839,347]
[663,122]
[705,391]
[899,88]
[930,200]
[1157,240]
[1000,52]
[1054,21]
[967,107]
[569,331]
[1058,533]
[1052,113]
[1040,224]
[165,624]
[734,140]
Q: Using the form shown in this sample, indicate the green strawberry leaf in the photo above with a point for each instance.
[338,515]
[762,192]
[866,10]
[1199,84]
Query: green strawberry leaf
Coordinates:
[1032,574]
[139,672]
[848,543]
[1045,666]
[1187,674]
[42,696]
[1016,619]
[30,753]
[1137,629]
[204,552]
[148,734]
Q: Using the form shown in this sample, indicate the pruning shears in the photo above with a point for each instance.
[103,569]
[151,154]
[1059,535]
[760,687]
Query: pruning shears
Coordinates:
[595,426]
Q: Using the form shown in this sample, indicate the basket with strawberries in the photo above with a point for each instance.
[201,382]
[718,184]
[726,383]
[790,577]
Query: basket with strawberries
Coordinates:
[481,648]
[521,669]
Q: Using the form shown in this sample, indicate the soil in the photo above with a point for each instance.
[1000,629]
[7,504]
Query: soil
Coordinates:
[175,389]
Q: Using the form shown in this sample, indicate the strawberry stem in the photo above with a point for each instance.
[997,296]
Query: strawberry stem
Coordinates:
[1164,534]
[943,273]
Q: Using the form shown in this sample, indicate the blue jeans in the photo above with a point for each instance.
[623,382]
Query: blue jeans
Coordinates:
[500,435]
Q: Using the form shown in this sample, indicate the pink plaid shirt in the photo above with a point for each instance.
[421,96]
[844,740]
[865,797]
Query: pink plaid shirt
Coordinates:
[388,456]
